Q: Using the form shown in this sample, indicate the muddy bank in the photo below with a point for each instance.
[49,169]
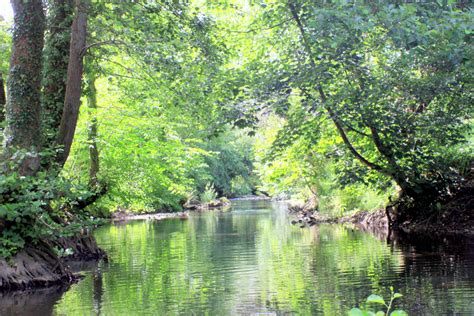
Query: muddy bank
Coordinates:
[34,267]
[126,216]
[455,218]
[252,198]
[376,220]
[217,203]
[46,263]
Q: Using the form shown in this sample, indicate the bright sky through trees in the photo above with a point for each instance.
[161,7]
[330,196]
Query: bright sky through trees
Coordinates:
[6,9]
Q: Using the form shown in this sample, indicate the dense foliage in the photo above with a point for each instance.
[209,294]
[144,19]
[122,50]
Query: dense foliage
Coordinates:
[380,90]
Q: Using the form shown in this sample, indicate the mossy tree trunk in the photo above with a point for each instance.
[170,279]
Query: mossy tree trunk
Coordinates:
[72,100]
[57,43]
[23,106]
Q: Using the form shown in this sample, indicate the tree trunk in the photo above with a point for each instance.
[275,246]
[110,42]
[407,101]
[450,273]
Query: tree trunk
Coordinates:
[3,99]
[23,108]
[72,100]
[57,43]
[92,134]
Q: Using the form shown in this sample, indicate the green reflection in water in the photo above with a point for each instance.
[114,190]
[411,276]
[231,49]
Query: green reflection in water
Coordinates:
[246,261]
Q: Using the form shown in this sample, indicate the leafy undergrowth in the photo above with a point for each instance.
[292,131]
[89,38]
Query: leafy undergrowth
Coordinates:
[41,208]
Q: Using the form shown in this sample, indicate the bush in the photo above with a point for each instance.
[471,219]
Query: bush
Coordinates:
[39,208]
[209,194]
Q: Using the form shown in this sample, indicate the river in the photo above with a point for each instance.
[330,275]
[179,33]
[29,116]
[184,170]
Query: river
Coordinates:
[250,261]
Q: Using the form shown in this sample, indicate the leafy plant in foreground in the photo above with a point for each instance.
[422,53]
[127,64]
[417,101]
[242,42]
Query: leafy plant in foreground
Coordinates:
[377,299]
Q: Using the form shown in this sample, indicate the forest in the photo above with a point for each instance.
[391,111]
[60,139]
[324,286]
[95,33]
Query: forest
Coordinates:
[114,109]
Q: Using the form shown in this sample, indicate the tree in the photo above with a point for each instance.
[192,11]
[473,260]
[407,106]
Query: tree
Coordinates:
[5,48]
[91,92]
[72,97]
[3,99]
[391,78]
[57,42]
[23,106]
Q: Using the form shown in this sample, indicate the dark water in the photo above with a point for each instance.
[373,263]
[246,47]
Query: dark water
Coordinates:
[250,261]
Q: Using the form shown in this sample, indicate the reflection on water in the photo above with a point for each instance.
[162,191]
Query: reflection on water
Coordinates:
[249,261]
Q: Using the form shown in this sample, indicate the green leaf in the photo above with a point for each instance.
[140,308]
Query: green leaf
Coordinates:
[380,313]
[398,312]
[355,312]
[358,312]
[373,298]
[397,295]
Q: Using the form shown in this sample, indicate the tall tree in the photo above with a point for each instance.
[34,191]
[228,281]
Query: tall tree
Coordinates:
[3,99]
[58,37]
[72,99]
[23,106]
[92,132]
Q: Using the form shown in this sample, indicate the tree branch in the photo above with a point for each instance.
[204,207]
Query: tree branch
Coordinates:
[322,95]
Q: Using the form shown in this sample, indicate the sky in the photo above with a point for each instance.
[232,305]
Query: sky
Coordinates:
[6,9]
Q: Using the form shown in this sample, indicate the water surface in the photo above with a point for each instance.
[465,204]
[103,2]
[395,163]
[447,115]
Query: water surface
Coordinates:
[250,261]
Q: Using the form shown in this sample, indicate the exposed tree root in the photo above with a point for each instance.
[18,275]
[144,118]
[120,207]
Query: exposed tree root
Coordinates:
[33,267]
[83,247]
[39,266]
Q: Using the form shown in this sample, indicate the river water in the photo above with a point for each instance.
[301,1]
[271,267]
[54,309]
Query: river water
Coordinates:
[250,261]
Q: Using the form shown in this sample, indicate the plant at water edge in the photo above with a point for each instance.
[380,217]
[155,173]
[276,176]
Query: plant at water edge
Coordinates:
[376,299]
[209,194]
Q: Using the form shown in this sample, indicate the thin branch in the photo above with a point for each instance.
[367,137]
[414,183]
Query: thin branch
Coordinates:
[258,29]
[101,43]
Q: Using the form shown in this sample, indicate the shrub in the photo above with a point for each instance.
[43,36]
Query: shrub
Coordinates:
[209,194]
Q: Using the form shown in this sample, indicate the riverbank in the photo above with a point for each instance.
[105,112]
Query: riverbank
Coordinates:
[454,218]
[124,215]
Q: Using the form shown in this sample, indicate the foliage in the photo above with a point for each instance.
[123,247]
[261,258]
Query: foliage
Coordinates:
[382,89]
[240,186]
[230,163]
[304,169]
[209,194]
[293,98]
[159,139]
[40,207]
[376,299]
